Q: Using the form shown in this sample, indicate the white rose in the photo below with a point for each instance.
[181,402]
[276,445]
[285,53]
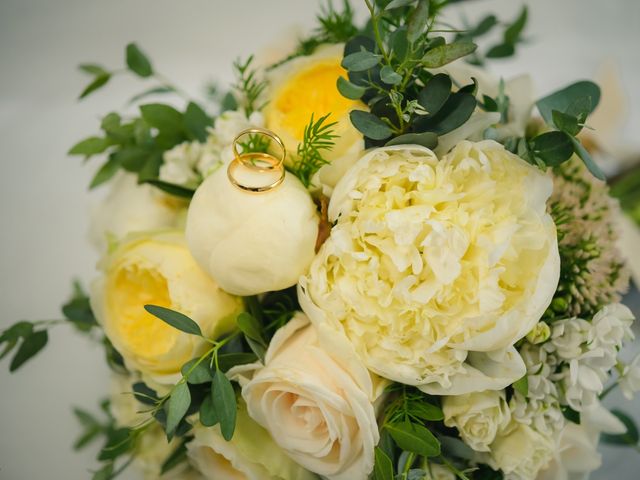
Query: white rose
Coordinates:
[250,455]
[317,404]
[477,416]
[304,86]
[129,208]
[158,269]
[252,243]
[521,453]
[436,267]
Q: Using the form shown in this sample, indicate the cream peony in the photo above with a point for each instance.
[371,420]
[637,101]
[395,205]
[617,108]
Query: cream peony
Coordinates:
[521,453]
[158,269]
[250,455]
[435,268]
[129,208]
[252,243]
[477,416]
[305,86]
[315,403]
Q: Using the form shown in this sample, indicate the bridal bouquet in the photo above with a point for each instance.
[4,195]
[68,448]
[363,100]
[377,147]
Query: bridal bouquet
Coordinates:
[375,261]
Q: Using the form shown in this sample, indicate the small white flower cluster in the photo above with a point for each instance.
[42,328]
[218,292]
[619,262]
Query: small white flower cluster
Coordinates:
[630,378]
[189,163]
[586,352]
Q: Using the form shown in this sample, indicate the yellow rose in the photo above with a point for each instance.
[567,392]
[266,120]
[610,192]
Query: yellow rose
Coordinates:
[158,269]
[250,455]
[306,86]
[317,403]
[436,267]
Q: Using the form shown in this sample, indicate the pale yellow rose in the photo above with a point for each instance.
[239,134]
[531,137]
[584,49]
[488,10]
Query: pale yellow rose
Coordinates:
[158,269]
[522,452]
[250,455]
[435,268]
[477,416]
[316,403]
[250,243]
[305,86]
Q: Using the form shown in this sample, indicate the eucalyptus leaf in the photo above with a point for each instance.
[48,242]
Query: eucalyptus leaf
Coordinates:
[175,319]
[389,76]
[565,122]
[418,21]
[144,394]
[553,148]
[224,402]
[426,139]
[350,90]
[588,161]
[360,61]
[454,113]
[413,437]
[501,50]
[444,54]
[563,99]
[370,125]
[383,467]
[29,347]
[178,404]
[98,82]
[435,93]
[137,61]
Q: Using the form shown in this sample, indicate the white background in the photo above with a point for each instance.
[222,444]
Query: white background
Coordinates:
[44,204]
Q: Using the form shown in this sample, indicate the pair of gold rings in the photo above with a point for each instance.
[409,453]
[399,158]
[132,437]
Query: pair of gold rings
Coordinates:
[257,161]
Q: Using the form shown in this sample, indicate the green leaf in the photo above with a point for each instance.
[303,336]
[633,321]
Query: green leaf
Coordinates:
[30,346]
[350,90]
[501,51]
[151,91]
[175,319]
[383,468]
[105,173]
[85,418]
[87,437]
[389,76]
[426,411]
[454,113]
[415,438]
[565,122]
[98,82]
[171,188]
[119,442]
[513,32]
[176,457]
[178,404]
[630,437]
[90,146]
[196,122]
[570,414]
[370,125]
[111,121]
[224,402]
[163,117]
[522,386]
[200,374]
[564,99]
[435,93]
[588,161]
[229,360]
[138,62]
[444,54]
[398,4]
[144,394]
[208,414]
[17,330]
[426,139]
[93,69]
[132,158]
[360,61]
[418,21]
[248,325]
[105,473]
[553,148]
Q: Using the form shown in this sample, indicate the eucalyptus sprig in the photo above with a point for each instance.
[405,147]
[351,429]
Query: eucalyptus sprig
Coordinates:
[318,137]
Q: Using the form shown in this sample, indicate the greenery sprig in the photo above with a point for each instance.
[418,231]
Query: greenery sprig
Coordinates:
[248,86]
[318,137]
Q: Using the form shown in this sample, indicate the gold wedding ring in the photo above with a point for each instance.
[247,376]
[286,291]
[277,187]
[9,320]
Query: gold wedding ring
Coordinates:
[257,161]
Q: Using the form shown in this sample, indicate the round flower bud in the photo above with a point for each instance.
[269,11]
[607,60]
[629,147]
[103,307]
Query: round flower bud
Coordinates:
[252,243]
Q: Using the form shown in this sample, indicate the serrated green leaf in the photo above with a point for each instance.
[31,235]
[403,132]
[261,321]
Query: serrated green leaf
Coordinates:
[426,139]
[435,93]
[208,415]
[98,82]
[105,172]
[200,374]
[196,122]
[224,402]
[175,319]
[137,61]
[553,148]
[29,347]
[360,61]
[163,117]
[630,437]
[444,54]
[588,161]
[564,98]
[90,146]
[522,386]
[171,188]
[350,90]
[178,404]
[415,438]
[383,467]
[370,125]
[389,76]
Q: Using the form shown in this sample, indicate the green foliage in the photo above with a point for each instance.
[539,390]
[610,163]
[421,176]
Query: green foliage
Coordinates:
[383,468]
[224,402]
[415,438]
[522,386]
[137,61]
[318,137]
[248,86]
[175,319]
